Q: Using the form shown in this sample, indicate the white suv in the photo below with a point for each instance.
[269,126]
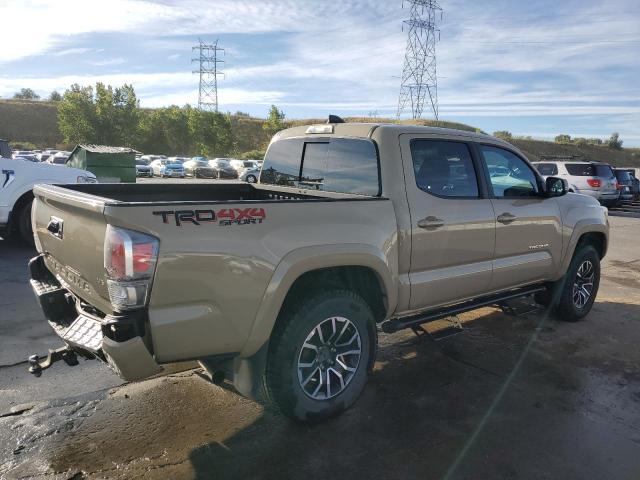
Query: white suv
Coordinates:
[17,178]
[595,179]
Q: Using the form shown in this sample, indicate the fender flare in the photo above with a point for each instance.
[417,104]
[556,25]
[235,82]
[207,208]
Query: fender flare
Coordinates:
[307,259]
[586,225]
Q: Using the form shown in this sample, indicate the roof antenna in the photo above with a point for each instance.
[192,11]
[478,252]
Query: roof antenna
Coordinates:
[335,119]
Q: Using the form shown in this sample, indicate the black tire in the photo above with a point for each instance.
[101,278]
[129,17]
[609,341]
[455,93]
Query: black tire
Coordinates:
[294,327]
[24,224]
[251,179]
[560,296]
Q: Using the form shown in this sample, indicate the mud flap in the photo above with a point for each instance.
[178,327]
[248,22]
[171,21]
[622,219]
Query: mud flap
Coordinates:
[130,359]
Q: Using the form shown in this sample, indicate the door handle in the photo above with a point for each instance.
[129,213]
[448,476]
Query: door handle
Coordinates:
[431,222]
[506,218]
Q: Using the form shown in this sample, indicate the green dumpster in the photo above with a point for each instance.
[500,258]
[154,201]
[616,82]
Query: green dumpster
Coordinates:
[108,164]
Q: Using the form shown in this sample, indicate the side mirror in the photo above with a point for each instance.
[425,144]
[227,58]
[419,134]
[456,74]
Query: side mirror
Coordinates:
[555,187]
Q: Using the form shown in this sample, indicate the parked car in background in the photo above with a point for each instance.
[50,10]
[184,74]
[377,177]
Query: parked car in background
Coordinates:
[167,168]
[151,158]
[179,159]
[143,169]
[241,165]
[17,178]
[43,156]
[31,157]
[595,179]
[199,167]
[250,175]
[635,181]
[58,159]
[625,184]
[223,168]
[21,153]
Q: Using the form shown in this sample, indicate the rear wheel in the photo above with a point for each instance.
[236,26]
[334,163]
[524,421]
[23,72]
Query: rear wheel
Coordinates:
[251,179]
[24,224]
[320,355]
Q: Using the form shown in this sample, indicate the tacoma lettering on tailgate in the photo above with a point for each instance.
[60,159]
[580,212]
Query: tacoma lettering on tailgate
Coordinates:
[223,217]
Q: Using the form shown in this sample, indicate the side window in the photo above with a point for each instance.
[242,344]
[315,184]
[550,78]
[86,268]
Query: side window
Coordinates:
[444,168]
[510,175]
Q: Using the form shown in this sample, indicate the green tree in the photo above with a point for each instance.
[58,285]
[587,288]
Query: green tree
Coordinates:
[26,94]
[210,133]
[55,96]
[503,134]
[166,130]
[580,141]
[614,141]
[275,121]
[105,115]
[77,115]
[563,138]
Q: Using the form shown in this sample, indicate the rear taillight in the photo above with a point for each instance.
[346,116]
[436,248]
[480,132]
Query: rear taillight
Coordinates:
[594,182]
[129,260]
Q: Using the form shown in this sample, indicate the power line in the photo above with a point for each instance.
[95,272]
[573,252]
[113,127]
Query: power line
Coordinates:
[419,79]
[208,71]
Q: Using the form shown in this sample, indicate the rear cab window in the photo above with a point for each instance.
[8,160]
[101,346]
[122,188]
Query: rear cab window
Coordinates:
[589,170]
[341,165]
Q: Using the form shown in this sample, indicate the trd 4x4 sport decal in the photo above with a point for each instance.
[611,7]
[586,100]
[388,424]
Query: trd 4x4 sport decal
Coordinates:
[224,216]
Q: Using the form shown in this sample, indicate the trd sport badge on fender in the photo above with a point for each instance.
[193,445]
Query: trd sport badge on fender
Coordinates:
[224,216]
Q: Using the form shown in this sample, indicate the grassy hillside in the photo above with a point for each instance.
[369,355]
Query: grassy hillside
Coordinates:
[36,123]
[534,149]
[33,122]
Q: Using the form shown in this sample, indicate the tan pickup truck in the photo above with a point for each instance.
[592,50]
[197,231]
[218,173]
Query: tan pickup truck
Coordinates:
[282,285]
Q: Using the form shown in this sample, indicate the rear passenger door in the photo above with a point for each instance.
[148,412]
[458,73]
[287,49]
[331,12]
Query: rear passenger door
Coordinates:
[528,225]
[452,221]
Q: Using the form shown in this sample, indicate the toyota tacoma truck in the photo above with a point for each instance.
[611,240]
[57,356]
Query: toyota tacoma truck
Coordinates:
[282,285]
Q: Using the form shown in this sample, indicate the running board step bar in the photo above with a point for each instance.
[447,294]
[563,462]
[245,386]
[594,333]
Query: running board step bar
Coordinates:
[396,324]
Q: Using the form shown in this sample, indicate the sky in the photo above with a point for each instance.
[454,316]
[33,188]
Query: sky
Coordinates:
[536,68]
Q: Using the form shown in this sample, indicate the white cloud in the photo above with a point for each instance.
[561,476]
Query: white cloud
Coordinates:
[106,62]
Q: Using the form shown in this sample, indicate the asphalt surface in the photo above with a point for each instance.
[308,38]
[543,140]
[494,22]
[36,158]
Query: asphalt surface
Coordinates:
[523,397]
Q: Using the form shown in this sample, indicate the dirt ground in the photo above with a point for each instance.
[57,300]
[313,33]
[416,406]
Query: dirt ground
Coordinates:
[512,397]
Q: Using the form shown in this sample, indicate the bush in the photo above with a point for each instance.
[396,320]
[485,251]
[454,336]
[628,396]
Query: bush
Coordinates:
[252,155]
[503,134]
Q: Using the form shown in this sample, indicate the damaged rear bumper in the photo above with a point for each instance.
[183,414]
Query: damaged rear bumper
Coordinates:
[114,339]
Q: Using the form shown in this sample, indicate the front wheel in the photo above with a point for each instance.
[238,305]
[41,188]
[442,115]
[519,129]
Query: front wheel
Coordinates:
[320,355]
[572,297]
[251,179]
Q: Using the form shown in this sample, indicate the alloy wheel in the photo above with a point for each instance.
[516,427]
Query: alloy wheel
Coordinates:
[329,358]
[583,284]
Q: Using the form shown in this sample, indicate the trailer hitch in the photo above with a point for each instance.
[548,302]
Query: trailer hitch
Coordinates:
[36,366]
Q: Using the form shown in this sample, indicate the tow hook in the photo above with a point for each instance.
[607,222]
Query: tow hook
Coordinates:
[36,366]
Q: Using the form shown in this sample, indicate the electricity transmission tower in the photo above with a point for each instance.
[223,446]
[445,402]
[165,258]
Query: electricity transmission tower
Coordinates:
[208,70]
[419,81]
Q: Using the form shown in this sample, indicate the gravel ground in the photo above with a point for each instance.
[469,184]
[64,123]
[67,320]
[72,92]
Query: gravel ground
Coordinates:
[513,397]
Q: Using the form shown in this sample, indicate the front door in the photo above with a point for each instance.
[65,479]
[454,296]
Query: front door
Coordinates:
[528,225]
[452,221]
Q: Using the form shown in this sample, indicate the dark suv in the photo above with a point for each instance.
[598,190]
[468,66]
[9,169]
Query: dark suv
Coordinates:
[625,184]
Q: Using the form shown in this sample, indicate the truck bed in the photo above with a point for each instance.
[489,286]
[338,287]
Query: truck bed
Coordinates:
[149,193]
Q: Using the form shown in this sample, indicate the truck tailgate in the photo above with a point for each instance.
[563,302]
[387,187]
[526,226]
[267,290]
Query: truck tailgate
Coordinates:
[70,229]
